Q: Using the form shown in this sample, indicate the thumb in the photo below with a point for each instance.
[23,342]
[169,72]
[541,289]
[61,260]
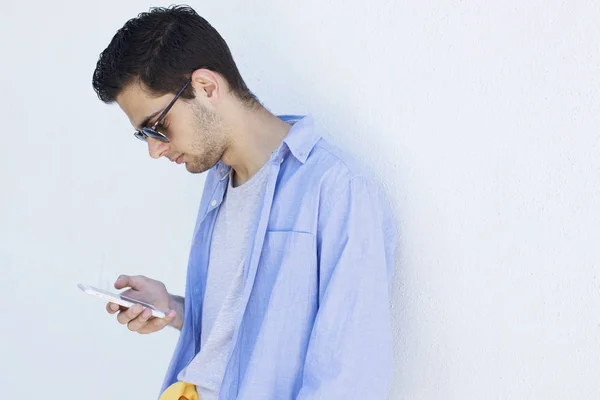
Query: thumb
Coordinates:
[124,281]
[137,282]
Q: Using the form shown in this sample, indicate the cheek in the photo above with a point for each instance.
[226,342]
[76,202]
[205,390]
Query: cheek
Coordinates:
[191,143]
[180,137]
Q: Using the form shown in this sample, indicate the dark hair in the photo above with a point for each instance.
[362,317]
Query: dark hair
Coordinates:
[162,48]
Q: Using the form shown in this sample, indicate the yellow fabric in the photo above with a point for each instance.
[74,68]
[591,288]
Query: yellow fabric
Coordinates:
[180,391]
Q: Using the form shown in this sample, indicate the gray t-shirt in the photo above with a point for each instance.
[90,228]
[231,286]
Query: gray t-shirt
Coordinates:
[224,284]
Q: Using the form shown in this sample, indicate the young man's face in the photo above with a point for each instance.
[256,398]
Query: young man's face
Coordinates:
[196,134]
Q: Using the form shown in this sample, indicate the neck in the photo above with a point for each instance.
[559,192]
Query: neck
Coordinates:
[254,135]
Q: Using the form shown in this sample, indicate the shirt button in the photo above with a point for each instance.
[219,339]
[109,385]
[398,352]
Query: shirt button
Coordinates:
[281,161]
[213,203]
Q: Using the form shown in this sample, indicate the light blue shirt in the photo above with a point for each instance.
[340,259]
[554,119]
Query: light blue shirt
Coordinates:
[316,321]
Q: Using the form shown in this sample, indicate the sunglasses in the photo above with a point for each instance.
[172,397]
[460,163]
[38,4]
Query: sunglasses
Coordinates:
[151,132]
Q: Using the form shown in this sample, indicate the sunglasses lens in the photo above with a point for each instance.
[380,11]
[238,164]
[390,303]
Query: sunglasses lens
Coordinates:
[149,132]
[140,136]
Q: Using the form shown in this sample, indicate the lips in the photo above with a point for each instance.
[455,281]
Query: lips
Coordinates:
[179,159]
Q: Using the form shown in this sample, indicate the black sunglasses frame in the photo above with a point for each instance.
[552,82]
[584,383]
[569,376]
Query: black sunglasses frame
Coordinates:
[146,132]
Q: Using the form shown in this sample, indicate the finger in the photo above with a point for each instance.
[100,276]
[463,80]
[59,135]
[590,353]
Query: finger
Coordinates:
[156,324]
[137,323]
[127,315]
[112,308]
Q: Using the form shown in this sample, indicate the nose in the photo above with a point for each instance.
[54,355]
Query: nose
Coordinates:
[156,148]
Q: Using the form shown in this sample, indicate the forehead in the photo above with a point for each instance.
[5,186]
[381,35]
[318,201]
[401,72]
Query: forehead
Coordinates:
[138,104]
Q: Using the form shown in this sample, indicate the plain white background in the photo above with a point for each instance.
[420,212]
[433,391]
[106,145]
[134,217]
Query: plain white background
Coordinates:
[479,119]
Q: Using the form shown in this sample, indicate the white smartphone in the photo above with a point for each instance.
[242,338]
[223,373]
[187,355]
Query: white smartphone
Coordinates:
[118,299]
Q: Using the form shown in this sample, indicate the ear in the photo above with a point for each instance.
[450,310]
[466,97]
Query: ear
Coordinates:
[208,84]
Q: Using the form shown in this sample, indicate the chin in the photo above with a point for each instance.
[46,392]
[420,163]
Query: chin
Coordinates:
[195,168]
[198,165]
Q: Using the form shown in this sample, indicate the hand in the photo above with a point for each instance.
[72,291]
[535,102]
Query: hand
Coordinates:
[140,319]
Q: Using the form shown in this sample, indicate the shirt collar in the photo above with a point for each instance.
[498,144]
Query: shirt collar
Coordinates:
[222,170]
[302,137]
[300,141]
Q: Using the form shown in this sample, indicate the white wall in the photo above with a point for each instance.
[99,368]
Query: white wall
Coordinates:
[481,121]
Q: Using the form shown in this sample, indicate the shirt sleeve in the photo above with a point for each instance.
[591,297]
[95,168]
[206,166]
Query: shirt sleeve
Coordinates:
[350,353]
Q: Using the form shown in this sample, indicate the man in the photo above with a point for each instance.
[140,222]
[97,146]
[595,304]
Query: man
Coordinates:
[287,290]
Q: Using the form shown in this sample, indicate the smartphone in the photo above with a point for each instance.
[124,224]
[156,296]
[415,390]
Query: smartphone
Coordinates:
[119,299]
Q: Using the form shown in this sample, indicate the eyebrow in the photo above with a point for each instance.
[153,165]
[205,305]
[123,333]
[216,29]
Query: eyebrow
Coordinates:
[149,118]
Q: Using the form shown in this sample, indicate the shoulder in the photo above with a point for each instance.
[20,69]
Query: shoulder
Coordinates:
[316,155]
[339,172]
